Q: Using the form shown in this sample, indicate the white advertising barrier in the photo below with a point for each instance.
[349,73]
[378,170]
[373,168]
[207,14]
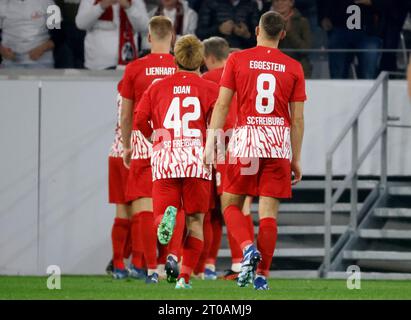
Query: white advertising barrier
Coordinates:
[330,105]
[78,121]
[56,213]
[19,101]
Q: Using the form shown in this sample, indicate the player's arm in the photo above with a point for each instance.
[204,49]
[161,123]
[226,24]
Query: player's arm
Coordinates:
[126,121]
[297,134]
[218,119]
[143,116]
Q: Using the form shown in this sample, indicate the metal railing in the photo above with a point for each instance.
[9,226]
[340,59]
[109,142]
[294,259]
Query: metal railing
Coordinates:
[351,180]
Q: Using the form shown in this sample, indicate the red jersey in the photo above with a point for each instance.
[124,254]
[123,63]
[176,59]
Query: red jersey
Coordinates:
[266,81]
[178,107]
[215,76]
[138,76]
[117,147]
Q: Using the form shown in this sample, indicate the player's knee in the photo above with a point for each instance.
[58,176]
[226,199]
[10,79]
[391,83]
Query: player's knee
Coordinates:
[195,225]
[229,199]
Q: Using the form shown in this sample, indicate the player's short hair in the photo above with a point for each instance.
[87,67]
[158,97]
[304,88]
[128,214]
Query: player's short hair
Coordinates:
[272,24]
[217,47]
[160,27]
[189,52]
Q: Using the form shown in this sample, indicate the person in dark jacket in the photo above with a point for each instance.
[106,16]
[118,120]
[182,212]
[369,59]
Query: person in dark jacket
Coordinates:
[70,53]
[234,20]
[394,16]
[368,39]
[298,34]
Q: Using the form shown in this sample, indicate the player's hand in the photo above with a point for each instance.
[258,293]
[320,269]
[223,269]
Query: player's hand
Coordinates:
[127,157]
[107,3]
[241,30]
[296,171]
[209,154]
[326,24]
[125,3]
[7,53]
[227,27]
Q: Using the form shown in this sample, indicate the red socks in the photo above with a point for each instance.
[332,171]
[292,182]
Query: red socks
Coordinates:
[266,240]
[127,245]
[208,239]
[250,225]
[217,225]
[149,237]
[137,258]
[191,253]
[174,247]
[237,225]
[236,252]
[119,235]
[162,253]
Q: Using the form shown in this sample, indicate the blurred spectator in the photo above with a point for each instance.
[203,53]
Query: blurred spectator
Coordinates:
[70,53]
[151,4]
[183,17]
[195,4]
[394,18]
[26,40]
[333,19]
[298,34]
[234,20]
[111,26]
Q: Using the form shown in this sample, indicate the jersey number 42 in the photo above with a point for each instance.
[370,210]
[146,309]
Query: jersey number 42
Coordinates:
[174,121]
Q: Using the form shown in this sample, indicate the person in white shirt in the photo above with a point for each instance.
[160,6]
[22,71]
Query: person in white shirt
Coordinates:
[26,41]
[183,17]
[111,27]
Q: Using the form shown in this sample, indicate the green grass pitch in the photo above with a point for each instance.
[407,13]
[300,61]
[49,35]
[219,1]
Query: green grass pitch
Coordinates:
[103,287]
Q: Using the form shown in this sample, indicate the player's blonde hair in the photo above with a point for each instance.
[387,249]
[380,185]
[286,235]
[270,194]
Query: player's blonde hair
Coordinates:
[189,52]
[160,27]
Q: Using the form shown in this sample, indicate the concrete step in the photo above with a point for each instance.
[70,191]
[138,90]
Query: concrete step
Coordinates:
[371,275]
[384,234]
[399,190]
[320,184]
[309,207]
[376,255]
[285,252]
[309,230]
[393,212]
[295,274]
[302,230]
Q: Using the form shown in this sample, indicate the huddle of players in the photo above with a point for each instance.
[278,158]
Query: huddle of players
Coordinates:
[161,163]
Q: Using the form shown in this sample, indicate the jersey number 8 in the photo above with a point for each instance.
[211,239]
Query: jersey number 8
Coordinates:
[174,121]
[265,97]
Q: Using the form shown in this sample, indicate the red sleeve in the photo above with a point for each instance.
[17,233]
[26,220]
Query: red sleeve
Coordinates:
[127,90]
[298,93]
[228,77]
[212,95]
[143,115]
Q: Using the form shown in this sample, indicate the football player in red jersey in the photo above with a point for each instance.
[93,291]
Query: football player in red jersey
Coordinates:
[216,51]
[137,150]
[117,184]
[179,107]
[270,90]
